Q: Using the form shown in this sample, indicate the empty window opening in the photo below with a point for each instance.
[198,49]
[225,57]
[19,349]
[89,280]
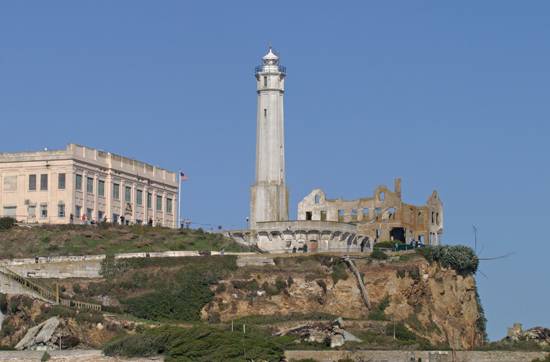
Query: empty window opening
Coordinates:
[340,215]
[265,81]
[265,112]
[323,215]
[390,213]
[354,214]
[309,215]
[378,211]
[397,234]
[433,217]
[365,212]
[382,196]
[317,198]
[437,218]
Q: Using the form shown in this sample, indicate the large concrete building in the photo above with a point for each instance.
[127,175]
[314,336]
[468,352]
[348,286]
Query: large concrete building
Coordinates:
[323,224]
[81,184]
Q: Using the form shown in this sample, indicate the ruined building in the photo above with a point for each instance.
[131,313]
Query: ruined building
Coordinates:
[382,217]
[323,224]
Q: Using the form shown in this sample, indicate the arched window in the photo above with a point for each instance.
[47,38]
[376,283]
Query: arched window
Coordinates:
[382,196]
[317,198]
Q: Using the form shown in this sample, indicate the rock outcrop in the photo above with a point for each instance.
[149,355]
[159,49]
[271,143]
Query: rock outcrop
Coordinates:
[437,304]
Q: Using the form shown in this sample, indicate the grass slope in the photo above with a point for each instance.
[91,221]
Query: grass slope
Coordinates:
[20,242]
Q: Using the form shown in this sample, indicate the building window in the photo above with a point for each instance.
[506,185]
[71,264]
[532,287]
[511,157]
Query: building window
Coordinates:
[159,203]
[354,214]
[44,211]
[340,215]
[61,181]
[382,196]
[116,191]
[10,211]
[128,194]
[365,212]
[100,216]
[90,185]
[43,182]
[169,206]
[265,81]
[323,215]
[317,198]
[265,112]
[89,214]
[115,218]
[149,200]
[78,182]
[78,211]
[101,188]
[32,182]
[10,183]
[61,210]
[139,197]
[309,215]
[31,211]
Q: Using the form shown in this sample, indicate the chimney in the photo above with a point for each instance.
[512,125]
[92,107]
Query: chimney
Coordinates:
[397,186]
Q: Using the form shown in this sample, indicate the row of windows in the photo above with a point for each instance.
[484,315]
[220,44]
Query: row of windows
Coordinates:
[127,193]
[44,182]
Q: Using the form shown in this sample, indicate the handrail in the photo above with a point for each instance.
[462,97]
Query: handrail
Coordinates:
[47,293]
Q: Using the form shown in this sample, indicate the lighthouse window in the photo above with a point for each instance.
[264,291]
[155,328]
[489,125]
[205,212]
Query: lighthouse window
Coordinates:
[265,112]
[265,81]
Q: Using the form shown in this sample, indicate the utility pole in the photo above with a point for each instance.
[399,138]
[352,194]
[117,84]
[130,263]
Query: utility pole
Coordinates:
[475,237]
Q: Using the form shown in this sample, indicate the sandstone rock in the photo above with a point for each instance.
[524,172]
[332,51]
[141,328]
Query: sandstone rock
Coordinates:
[336,340]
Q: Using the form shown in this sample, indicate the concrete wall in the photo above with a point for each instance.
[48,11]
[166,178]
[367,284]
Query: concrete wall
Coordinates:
[408,356]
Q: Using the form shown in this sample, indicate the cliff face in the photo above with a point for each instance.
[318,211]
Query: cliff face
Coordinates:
[434,303]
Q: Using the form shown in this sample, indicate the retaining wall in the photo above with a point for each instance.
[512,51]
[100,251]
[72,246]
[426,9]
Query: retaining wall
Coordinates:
[416,356]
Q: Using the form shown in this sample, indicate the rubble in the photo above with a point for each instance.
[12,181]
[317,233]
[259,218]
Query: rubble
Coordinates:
[539,335]
[48,335]
[330,333]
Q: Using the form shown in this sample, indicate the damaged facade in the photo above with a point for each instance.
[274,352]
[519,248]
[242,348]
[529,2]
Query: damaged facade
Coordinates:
[382,217]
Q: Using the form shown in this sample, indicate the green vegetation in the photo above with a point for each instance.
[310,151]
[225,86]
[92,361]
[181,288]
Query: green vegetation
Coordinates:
[162,288]
[54,240]
[386,244]
[547,359]
[277,318]
[45,357]
[6,223]
[3,303]
[378,313]
[200,344]
[378,255]
[339,272]
[457,257]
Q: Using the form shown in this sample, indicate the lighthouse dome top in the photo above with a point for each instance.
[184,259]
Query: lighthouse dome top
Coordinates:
[270,57]
[270,64]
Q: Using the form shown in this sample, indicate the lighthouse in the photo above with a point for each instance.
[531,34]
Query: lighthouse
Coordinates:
[269,195]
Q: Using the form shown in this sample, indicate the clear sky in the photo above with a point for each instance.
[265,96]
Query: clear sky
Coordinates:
[448,95]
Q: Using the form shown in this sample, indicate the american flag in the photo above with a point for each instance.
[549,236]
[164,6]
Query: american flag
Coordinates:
[183,177]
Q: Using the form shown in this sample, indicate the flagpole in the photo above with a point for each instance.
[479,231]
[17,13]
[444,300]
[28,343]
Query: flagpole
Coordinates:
[178,225]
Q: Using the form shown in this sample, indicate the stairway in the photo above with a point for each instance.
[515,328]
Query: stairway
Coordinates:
[46,293]
[360,283]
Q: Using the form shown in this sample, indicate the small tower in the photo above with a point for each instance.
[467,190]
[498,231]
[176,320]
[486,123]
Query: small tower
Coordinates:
[269,196]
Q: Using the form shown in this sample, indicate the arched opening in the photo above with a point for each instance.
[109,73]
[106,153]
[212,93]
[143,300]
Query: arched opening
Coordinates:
[382,196]
[317,199]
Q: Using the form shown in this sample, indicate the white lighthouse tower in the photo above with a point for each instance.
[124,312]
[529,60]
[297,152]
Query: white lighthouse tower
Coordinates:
[269,195]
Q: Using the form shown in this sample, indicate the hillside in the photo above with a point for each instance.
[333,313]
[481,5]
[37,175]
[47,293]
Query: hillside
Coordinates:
[21,242]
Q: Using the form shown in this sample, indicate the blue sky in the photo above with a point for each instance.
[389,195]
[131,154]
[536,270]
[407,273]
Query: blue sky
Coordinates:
[448,95]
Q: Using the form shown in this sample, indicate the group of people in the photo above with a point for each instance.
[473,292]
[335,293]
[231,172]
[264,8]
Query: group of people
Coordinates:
[123,220]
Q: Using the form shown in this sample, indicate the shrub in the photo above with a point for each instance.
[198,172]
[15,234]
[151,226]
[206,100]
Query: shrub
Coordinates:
[76,288]
[458,257]
[387,244]
[7,329]
[89,317]
[248,285]
[3,303]
[378,313]
[378,255]
[45,357]
[6,223]
[339,272]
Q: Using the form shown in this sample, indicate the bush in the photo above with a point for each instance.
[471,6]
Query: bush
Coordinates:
[339,272]
[458,257]
[76,288]
[89,317]
[3,303]
[387,244]
[200,344]
[6,223]
[378,313]
[378,255]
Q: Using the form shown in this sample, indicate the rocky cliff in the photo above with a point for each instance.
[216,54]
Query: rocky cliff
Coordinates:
[435,303]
